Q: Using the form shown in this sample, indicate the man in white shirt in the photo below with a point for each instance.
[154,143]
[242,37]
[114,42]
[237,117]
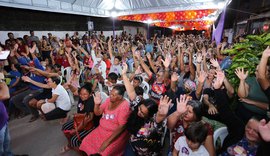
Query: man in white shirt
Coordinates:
[60,98]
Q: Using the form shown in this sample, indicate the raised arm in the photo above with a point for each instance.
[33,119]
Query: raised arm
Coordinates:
[263,80]
[110,48]
[191,66]
[229,87]
[45,73]
[42,85]
[97,99]
[151,62]
[144,66]
[174,79]
[166,64]
[243,88]
[201,79]
[181,110]
[129,87]
[163,108]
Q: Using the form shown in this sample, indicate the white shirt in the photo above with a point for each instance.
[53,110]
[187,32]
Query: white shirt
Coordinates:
[117,69]
[101,64]
[62,100]
[182,147]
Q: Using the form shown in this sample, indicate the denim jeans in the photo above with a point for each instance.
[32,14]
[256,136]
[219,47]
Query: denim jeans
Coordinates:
[5,142]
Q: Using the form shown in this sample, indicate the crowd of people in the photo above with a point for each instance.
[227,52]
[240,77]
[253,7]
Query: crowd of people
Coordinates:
[134,92]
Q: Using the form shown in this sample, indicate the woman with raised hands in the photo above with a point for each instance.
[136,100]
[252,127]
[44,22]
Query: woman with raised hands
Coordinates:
[85,106]
[110,137]
[187,112]
[135,95]
[253,101]
[146,125]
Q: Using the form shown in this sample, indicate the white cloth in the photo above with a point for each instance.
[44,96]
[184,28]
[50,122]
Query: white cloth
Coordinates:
[115,68]
[63,100]
[47,107]
[101,64]
[182,147]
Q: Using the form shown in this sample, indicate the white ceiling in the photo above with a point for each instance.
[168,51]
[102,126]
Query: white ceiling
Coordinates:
[104,8]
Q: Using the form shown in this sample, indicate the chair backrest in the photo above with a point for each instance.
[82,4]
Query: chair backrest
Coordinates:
[145,87]
[131,67]
[81,66]
[67,73]
[221,133]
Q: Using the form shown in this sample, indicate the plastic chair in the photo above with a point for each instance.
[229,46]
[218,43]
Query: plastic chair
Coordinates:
[66,72]
[47,107]
[145,87]
[221,133]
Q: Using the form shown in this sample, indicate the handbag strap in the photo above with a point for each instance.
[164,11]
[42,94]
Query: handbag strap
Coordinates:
[76,129]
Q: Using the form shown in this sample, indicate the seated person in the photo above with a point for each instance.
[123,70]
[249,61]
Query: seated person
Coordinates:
[85,106]
[146,125]
[110,137]
[253,101]
[60,99]
[111,81]
[249,143]
[187,112]
[191,143]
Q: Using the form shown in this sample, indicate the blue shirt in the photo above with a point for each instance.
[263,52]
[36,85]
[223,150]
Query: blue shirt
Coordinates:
[242,146]
[34,77]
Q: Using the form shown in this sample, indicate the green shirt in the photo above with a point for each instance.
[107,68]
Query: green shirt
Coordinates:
[256,94]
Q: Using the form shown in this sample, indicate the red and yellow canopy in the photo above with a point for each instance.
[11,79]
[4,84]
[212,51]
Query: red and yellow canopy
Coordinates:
[182,20]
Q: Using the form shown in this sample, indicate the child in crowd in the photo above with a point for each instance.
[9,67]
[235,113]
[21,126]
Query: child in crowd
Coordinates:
[191,143]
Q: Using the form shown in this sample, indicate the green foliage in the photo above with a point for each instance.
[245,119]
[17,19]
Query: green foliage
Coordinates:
[246,55]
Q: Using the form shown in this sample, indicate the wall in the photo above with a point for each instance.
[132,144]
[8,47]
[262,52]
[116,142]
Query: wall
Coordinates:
[20,21]
[59,34]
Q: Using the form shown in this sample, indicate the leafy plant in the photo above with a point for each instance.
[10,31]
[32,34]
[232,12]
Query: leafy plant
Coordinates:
[246,55]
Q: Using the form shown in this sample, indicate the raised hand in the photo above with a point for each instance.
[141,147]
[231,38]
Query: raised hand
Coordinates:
[138,55]
[241,74]
[138,70]
[125,68]
[97,98]
[264,129]
[214,63]
[266,52]
[219,79]
[204,52]
[74,54]
[199,58]
[164,105]
[182,104]
[16,46]
[148,55]
[202,76]
[219,46]
[174,77]
[220,75]
[94,44]
[133,49]
[167,61]
[32,50]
